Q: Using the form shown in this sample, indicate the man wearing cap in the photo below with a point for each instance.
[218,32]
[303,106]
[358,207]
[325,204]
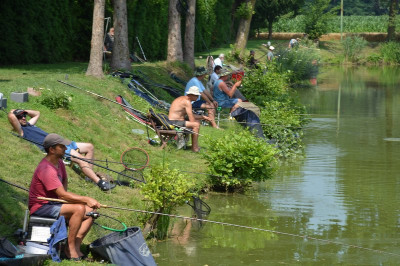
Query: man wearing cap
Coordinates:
[223,95]
[50,180]
[270,54]
[182,107]
[28,130]
[205,100]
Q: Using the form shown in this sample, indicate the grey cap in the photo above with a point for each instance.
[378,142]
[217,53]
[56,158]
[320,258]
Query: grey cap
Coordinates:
[54,139]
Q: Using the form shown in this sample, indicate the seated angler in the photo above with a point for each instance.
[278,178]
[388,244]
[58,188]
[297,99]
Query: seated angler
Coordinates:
[205,100]
[223,95]
[50,181]
[182,107]
[29,131]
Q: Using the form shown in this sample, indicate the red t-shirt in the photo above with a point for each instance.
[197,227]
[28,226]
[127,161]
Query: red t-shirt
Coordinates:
[46,179]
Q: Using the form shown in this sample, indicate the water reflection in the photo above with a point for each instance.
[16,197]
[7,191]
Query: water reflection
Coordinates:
[345,191]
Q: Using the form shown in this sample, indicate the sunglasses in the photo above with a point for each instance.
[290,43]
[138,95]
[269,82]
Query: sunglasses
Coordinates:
[21,116]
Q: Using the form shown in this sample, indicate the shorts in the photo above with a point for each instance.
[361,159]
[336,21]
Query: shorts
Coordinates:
[197,104]
[51,210]
[228,103]
[72,146]
[178,123]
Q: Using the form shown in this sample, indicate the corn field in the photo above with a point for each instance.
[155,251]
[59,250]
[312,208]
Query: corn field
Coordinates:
[350,24]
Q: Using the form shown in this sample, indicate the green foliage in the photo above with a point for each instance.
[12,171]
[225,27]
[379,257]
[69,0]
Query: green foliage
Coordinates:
[374,58]
[280,115]
[350,24]
[265,84]
[352,46]
[166,188]
[54,99]
[283,122]
[298,63]
[317,14]
[236,160]
[391,52]
[244,11]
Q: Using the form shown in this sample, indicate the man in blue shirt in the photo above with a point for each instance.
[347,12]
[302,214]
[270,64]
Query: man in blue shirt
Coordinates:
[205,100]
[28,130]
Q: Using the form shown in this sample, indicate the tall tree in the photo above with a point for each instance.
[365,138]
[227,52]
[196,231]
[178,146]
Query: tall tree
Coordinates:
[245,13]
[120,54]
[268,11]
[393,6]
[174,50]
[96,50]
[188,51]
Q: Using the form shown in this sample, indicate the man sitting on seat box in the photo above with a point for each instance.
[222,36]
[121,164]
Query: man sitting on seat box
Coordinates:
[50,181]
[205,100]
[28,130]
[182,107]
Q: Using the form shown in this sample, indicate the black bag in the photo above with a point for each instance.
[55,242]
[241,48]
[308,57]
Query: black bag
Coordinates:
[161,120]
[7,249]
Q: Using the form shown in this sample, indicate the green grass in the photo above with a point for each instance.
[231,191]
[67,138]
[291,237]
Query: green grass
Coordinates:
[90,119]
[350,24]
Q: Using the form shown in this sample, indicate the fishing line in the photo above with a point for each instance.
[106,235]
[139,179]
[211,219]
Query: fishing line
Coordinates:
[82,159]
[239,226]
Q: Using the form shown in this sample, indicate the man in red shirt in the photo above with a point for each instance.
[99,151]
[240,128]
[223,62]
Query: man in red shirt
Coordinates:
[50,180]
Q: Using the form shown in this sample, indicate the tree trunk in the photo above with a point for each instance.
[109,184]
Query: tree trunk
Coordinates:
[95,67]
[174,52]
[120,54]
[243,32]
[188,55]
[269,30]
[391,36]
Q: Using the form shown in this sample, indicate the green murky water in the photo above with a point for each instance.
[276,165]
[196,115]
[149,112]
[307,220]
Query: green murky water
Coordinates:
[345,192]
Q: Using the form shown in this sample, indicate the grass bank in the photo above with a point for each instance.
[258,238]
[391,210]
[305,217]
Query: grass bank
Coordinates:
[89,119]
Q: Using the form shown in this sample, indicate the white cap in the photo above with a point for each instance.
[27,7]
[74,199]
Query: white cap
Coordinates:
[193,90]
[221,55]
[272,48]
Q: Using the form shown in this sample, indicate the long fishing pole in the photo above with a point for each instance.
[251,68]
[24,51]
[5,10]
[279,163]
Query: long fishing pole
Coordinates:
[235,225]
[100,96]
[83,159]
[144,56]
[105,98]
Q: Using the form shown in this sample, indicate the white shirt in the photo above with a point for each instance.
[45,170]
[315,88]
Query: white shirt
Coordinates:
[218,62]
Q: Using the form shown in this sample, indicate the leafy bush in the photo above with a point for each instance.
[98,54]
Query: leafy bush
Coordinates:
[352,47]
[391,52]
[283,123]
[236,160]
[263,84]
[55,99]
[374,58]
[165,188]
[244,11]
[297,63]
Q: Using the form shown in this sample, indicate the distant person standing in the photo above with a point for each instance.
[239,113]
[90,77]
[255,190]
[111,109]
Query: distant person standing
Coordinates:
[252,61]
[219,61]
[293,43]
[270,54]
[109,41]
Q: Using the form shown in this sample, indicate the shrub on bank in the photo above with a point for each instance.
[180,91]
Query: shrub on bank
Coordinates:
[352,47]
[391,52]
[237,159]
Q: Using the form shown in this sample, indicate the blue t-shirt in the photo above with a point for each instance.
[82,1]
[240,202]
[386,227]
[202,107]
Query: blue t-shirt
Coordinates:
[34,134]
[195,82]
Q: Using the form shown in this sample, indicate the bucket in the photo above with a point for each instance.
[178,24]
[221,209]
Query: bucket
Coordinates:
[238,75]
[35,248]
[124,248]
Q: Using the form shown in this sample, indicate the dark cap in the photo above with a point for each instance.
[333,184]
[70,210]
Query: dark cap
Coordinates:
[19,112]
[54,139]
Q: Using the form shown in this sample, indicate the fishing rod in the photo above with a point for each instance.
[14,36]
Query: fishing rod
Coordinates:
[100,96]
[15,185]
[235,225]
[144,56]
[83,159]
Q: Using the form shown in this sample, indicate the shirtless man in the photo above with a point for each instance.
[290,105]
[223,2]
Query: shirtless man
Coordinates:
[182,107]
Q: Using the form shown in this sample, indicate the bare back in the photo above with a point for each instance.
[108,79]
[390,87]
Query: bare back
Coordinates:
[180,107]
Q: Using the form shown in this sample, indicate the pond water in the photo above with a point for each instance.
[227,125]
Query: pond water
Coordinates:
[344,195]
